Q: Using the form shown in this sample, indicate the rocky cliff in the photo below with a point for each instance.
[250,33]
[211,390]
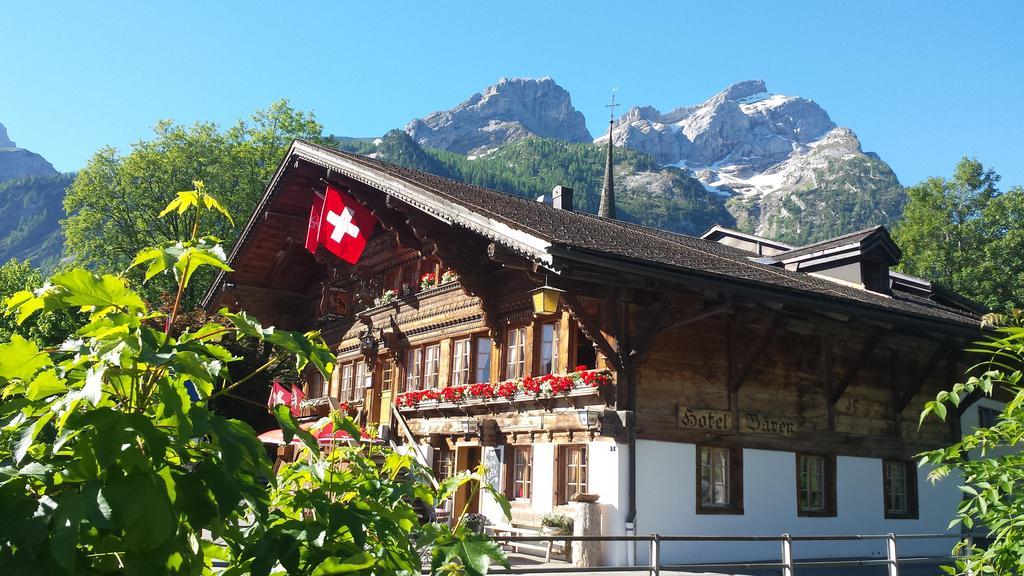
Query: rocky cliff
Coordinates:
[31,205]
[18,163]
[510,110]
[788,169]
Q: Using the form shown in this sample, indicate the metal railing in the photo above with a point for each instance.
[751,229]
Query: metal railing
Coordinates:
[787,563]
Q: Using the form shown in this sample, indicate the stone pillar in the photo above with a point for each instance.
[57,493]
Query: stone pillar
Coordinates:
[586,523]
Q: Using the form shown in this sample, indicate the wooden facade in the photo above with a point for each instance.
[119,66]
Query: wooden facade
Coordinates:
[689,356]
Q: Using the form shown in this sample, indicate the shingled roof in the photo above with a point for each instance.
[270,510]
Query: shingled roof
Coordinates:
[548,235]
[874,233]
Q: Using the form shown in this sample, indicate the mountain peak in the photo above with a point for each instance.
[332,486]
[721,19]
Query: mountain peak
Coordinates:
[740,90]
[5,142]
[512,109]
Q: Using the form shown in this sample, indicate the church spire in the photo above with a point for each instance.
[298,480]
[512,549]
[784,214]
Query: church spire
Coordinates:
[607,208]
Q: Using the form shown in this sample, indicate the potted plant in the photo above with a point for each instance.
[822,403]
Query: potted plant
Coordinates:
[476,522]
[556,524]
[387,297]
[428,281]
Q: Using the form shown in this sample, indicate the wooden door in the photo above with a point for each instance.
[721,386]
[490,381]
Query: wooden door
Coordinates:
[467,458]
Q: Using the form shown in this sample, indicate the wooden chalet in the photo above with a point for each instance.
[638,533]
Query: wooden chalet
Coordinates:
[713,385]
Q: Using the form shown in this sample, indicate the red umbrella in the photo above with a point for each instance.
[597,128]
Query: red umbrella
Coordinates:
[276,436]
[327,434]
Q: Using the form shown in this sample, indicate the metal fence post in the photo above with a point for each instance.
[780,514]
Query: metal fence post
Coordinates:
[890,553]
[656,555]
[968,550]
[787,555]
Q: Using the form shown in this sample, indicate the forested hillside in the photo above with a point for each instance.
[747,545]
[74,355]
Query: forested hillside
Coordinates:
[30,213]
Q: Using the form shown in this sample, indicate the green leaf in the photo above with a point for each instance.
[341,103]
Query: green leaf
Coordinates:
[25,303]
[159,258]
[141,506]
[28,436]
[182,202]
[354,563]
[475,551]
[83,288]
[200,255]
[211,203]
[290,428]
[45,384]
[21,359]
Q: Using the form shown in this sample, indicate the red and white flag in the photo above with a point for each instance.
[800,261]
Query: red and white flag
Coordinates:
[279,395]
[297,397]
[344,226]
[313,231]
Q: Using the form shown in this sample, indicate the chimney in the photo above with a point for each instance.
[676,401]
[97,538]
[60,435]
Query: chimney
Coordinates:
[561,198]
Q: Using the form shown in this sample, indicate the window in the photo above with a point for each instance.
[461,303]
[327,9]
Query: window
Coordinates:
[346,383]
[816,494]
[900,488]
[387,379]
[444,463]
[720,486]
[431,365]
[987,417]
[482,366]
[315,384]
[460,362]
[548,357]
[521,477]
[361,380]
[585,353]
[572,472]
[413,368]
[515,367]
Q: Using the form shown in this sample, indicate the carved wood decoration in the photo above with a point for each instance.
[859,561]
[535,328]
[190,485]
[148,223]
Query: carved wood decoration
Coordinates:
[463,254]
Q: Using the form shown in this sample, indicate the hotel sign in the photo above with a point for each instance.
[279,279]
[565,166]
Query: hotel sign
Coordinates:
[749,422]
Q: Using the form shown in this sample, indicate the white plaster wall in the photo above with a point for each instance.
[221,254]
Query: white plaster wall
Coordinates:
[666,504]
[543,496]
[609,478]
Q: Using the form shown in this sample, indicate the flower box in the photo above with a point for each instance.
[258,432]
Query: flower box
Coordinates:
[580,382]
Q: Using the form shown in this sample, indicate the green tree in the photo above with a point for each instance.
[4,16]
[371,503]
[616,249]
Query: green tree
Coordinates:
[111,460]
[989,461]
[115,201]
[966,234]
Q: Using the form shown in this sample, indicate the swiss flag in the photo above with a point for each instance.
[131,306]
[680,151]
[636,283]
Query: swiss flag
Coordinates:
[344,226]
[316,212]
[279,395]
[297,397]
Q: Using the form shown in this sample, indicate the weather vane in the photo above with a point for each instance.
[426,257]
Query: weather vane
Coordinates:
[612,107]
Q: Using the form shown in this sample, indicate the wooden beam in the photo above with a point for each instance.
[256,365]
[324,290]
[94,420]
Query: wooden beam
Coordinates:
[922,375]
[870,343]
[744,368]
[826,376]
[590,328]
[281,260]
[228,286]
[708,313]
[642,341]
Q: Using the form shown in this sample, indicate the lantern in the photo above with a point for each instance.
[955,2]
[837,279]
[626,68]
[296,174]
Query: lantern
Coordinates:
[545,299]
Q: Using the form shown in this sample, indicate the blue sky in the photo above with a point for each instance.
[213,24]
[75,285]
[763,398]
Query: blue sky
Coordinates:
[921,83]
